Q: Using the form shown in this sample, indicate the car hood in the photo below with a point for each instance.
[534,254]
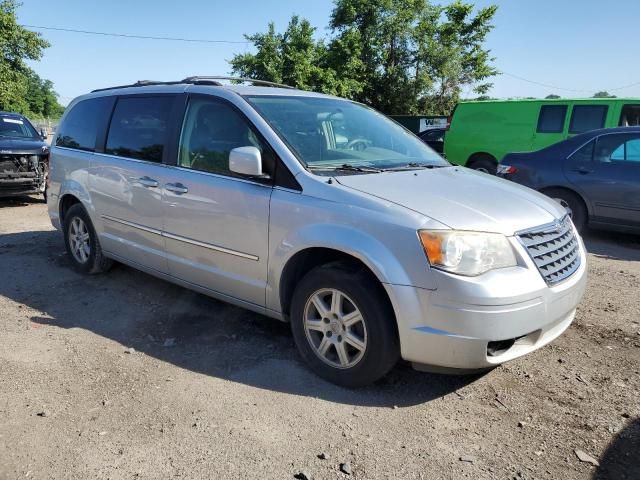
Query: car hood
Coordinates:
[16,145]
[461,198]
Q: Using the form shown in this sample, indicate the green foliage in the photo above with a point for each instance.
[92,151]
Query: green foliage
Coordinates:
[21,89]
[552,97]
[603,94]
[399,56]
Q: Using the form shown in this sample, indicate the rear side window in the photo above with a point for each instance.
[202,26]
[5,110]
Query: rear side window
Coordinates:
[587,117]
[81,124]
[630,116]
[139,128]
[584,154]
[551,119]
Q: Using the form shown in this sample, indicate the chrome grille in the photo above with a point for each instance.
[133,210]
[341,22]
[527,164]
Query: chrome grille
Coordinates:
[554,249]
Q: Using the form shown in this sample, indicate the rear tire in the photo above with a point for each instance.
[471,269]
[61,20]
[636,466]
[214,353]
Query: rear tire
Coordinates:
[572,203]
[81,242]
[483,163]
[343,325]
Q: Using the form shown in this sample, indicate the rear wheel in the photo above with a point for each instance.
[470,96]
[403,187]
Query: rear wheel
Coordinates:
[81,242]
[343,326]
[572,203]
[483,163]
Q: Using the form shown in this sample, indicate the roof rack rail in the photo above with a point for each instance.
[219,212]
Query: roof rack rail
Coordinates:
[197,80]
[139,83]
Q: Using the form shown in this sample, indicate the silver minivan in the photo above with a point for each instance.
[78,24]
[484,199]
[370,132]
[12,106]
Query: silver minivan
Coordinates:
[317,211]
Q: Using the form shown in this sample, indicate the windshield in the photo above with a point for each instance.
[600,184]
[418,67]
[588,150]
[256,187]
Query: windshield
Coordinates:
[333,133]
[16,127]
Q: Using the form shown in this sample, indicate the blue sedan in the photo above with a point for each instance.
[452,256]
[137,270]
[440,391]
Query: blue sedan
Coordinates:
[594,175]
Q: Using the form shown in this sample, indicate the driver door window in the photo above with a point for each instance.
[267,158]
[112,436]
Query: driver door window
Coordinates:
[210,131]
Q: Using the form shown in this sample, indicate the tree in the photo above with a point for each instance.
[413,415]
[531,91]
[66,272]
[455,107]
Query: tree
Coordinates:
[603,94]
[293,58]
[552,96]
[21,89]
[400,56]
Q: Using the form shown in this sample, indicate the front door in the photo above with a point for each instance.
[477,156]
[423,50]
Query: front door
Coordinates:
[217,223]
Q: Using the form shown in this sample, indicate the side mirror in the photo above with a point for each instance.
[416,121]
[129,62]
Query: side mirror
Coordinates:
[43,133]
[247,161]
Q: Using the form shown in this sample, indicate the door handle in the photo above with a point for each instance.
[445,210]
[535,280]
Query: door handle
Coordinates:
[582,170]
[147,182]
[176,188]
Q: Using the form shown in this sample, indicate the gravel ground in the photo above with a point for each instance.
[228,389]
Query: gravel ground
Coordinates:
[125,376]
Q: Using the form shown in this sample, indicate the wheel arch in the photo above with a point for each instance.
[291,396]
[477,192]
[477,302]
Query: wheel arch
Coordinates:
[474,157]
[309,258]
[66,202]
[586,204]
[72,192]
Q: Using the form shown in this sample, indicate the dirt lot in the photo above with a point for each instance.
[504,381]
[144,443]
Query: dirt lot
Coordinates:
[212,391]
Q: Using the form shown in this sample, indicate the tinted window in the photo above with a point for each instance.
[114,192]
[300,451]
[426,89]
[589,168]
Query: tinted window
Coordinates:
[587,117]
[630,116]
[551,119]
[139,127]
[81,124]
[585,154]
[210,131]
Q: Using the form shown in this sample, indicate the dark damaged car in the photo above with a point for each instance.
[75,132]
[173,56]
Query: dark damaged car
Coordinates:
[24,157]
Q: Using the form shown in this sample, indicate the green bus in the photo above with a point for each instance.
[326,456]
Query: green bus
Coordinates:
[482,133]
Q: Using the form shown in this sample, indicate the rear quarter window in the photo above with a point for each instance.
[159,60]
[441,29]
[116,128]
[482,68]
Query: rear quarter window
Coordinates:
[551,118]
[80,126]
[587,117]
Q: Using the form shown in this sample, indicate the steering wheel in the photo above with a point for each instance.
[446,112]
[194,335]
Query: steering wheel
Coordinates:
[357,144]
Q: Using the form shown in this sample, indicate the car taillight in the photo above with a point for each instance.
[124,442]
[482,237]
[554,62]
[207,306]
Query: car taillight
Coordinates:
[506,169]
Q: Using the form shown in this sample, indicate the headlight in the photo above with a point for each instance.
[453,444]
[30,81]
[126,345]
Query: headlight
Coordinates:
[467,253]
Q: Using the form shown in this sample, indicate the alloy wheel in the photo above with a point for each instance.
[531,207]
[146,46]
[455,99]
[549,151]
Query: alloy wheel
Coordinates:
[79,240]
[335,328]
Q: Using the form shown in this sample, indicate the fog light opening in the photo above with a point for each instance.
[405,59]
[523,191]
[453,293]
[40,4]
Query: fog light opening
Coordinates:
[499,347]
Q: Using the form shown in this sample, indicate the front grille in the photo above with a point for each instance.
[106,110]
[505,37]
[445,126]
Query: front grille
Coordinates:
[554,249]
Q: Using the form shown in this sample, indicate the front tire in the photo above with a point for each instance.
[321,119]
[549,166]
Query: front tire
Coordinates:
[343,325]
[81,242]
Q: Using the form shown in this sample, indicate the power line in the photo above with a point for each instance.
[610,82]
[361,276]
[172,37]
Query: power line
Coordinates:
[246,43]
[623,87]
[145,37]
[546,85]
[553,87]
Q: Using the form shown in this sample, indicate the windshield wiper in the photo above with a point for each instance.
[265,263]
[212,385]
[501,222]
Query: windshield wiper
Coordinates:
[346,167]
[413,166]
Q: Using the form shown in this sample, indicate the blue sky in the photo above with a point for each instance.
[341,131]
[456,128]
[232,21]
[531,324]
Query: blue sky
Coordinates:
[581,45]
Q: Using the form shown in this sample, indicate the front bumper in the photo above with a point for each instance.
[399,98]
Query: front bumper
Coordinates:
[21,185]
[480,322]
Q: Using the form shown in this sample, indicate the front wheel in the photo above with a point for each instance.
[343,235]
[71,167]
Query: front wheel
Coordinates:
[343,326]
